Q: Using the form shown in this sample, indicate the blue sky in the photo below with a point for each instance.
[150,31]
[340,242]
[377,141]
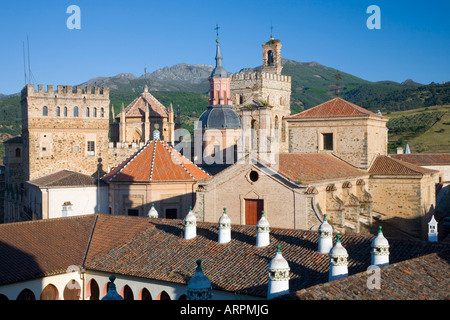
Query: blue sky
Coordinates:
[128,36]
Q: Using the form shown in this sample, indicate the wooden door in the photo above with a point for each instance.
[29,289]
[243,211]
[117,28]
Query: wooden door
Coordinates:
[253,209]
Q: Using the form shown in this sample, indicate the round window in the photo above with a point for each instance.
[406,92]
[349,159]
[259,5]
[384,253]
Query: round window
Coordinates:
[254,176]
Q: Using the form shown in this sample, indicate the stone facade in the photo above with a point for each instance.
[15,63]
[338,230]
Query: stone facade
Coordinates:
[355,140]
[266,87]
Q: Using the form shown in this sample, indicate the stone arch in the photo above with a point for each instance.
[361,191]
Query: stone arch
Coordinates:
[136,135]
[144,294]
[26,294]
[93,290]
[163,296]
[127,293]
[50,292]
[270,58]
[72,290]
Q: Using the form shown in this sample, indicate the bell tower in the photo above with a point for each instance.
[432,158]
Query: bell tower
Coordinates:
[272,56]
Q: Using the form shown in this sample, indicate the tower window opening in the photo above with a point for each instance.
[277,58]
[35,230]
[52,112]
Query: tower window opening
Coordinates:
[45,111]
[75,111]
[58,111]
[270,58]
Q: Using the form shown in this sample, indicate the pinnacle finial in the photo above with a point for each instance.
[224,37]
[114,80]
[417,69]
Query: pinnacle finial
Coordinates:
[338,236]
[325,217]
[379,229]
[217,32]
[278,248]
[225,210]
[199,265]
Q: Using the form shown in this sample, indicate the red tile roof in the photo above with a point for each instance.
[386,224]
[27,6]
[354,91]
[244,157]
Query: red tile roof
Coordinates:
[385,165]
[64,178]
[137,107]
[156,161]
[424,159]
[422,278]
[155,249]
[336,107]
[314,167]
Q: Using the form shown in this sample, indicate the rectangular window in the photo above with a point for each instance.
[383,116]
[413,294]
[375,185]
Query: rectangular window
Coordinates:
[91,148]
[327,141]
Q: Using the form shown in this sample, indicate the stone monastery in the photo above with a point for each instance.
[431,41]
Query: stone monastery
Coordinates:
[124,180]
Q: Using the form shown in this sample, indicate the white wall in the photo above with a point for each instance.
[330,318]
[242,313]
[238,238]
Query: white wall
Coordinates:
[83,199]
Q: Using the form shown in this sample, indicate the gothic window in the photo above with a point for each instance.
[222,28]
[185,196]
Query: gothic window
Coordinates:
[75,111]
[95,113]
[87,112]
[102,112]
[17,152]
[270,58]
[91,148]
[58,111]
[44,111]
[65,111]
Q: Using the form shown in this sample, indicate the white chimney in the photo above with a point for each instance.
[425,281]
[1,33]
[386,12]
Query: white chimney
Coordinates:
[380,250]
[190,225]
[278,275]
[224,227]
[432,230]
[325,236]
[338,261]
[152,213]
[67,209]
[262,232]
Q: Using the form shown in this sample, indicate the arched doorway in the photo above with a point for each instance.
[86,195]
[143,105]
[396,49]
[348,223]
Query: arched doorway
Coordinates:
[93,290]
[145,295]
[127,293]
[50,292]
[26,294]
[3,297]
[72,290]
[163,296]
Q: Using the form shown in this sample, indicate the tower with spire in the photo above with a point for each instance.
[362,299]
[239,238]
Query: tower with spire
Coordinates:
[219,126]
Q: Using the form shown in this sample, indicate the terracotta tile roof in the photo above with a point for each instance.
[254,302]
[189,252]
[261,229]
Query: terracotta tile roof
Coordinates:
[137,107]
[336,107]
[29,250]
[422,278]
[64,178]
[155,249]
[314,167]
[385,165]
[156,161]
[424,159]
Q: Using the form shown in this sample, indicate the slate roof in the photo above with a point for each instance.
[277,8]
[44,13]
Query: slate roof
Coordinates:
[137,107]
[422,278]
[156,161]
[424,159]
[64,178]
[385,165]
[155,249]
[314,167]
[336,107]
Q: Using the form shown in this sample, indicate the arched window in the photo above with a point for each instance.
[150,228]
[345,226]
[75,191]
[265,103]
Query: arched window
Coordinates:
[163,296]
[50,292]
[95,113]
[75,111]
[17,152]
[87,112]
[102,112]
[144,295]
[26,294]
[127,293]
[65,111]
[182,297]
[44,111]
[93,290]
[241,99]
[72,290]
[270,58]
[58,111]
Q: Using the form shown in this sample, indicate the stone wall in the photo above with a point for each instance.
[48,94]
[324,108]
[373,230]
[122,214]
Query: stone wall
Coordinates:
[356,141]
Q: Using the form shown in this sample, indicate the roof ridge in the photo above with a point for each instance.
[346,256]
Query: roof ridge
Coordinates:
[189,161]
[153,160]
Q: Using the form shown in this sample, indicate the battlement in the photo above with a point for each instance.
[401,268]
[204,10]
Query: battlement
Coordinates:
[260,75]
[65,91]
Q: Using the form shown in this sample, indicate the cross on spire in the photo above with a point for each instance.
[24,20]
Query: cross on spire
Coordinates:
[271,29]
[217,31]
